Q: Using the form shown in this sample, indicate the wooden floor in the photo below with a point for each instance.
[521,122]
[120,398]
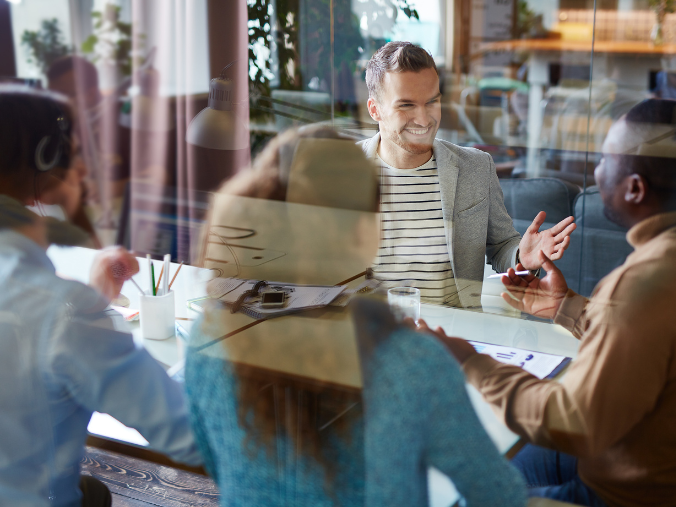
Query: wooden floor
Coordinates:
[138,483]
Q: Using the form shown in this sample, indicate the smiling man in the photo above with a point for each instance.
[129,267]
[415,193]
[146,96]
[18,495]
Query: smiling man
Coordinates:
[442,207]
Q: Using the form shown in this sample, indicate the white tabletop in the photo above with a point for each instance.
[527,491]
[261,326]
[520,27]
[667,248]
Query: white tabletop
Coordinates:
[334,327]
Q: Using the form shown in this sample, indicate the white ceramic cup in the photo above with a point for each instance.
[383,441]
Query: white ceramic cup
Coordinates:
[158,316]
[404,302]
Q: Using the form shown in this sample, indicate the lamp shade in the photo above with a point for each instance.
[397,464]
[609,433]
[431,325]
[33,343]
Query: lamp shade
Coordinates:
[217,126]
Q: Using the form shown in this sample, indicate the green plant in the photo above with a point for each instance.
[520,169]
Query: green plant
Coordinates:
[262,19]
[45,45]
[526,19]
[111,41]
[283,25]
[662,6]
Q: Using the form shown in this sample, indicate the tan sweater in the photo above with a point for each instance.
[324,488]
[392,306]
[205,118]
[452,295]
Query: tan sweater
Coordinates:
[616,406]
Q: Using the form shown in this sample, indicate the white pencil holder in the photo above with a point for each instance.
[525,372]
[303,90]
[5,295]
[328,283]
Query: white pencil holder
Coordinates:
[158,316]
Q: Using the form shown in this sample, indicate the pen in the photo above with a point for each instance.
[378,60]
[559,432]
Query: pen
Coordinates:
[166,267]
[518,273]
[136,285]
[152,278]
[175,275]
[157,285]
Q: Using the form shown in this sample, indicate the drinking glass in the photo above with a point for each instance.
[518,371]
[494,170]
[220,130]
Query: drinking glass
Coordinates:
[405,302]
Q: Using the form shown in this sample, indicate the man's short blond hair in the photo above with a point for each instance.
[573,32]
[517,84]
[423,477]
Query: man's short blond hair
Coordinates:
[396,56]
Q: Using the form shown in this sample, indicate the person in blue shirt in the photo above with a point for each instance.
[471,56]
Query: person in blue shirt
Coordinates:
[61,358]
[273,425]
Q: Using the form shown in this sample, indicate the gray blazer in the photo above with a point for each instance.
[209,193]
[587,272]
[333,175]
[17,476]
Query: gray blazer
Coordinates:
[477,223]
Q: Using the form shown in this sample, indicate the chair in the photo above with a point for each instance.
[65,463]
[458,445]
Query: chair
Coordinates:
[525,198]
[598,245]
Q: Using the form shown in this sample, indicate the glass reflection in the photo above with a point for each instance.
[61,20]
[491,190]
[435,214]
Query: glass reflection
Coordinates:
[298,405]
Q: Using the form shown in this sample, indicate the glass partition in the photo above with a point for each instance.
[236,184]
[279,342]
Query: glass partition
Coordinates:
[535,84]
[241,139]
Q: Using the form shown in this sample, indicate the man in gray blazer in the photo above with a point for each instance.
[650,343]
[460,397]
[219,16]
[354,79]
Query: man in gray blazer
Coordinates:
[442,206]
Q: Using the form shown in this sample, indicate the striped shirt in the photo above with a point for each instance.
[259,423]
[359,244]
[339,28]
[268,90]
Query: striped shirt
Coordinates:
[413,250]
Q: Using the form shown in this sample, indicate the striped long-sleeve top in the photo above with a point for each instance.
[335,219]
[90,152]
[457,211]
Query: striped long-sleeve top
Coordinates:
[413,250]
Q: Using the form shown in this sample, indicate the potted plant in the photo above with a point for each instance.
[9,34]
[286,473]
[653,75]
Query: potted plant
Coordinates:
[45,45]
[111,44]
[661,8]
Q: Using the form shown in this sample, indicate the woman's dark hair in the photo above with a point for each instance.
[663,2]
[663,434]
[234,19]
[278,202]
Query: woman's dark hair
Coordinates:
[35,140]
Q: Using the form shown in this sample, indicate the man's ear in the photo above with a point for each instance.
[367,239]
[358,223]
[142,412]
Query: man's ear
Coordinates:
[636,189]
[372,106]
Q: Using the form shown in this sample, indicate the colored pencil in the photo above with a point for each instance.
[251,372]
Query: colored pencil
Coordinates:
[150,275]
[136,285]
[175,275]
[152,279]
[157,285]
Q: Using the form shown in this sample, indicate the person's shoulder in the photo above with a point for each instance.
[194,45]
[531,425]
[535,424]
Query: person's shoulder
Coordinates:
[364,144]
[649,279]
[463,153]
[641,290]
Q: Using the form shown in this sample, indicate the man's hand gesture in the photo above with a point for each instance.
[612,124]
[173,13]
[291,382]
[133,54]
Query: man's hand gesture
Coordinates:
[553,242]
[539,297]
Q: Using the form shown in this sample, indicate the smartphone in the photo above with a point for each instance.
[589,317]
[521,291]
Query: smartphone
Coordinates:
[273,299]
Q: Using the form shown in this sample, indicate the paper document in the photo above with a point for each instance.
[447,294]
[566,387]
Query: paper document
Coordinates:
[536,363]
[127,313]
[219,287]
[106,426]
[302,298]
[298,297]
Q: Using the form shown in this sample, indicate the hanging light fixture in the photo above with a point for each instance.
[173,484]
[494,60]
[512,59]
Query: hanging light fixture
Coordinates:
[217,126]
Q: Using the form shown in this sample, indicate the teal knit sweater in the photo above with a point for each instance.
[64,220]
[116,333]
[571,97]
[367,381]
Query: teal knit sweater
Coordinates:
[417,415]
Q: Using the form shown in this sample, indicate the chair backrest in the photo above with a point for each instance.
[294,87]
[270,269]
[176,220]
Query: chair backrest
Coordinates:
[604,244]
[597,246]
[594,216]
[525,198]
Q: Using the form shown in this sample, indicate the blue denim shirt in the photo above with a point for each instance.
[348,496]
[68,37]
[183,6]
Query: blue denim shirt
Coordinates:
[59,362]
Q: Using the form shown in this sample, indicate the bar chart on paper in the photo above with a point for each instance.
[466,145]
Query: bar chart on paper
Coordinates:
[536,363]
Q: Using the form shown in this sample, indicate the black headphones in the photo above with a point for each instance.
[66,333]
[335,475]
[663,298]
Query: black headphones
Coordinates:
[54,149]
